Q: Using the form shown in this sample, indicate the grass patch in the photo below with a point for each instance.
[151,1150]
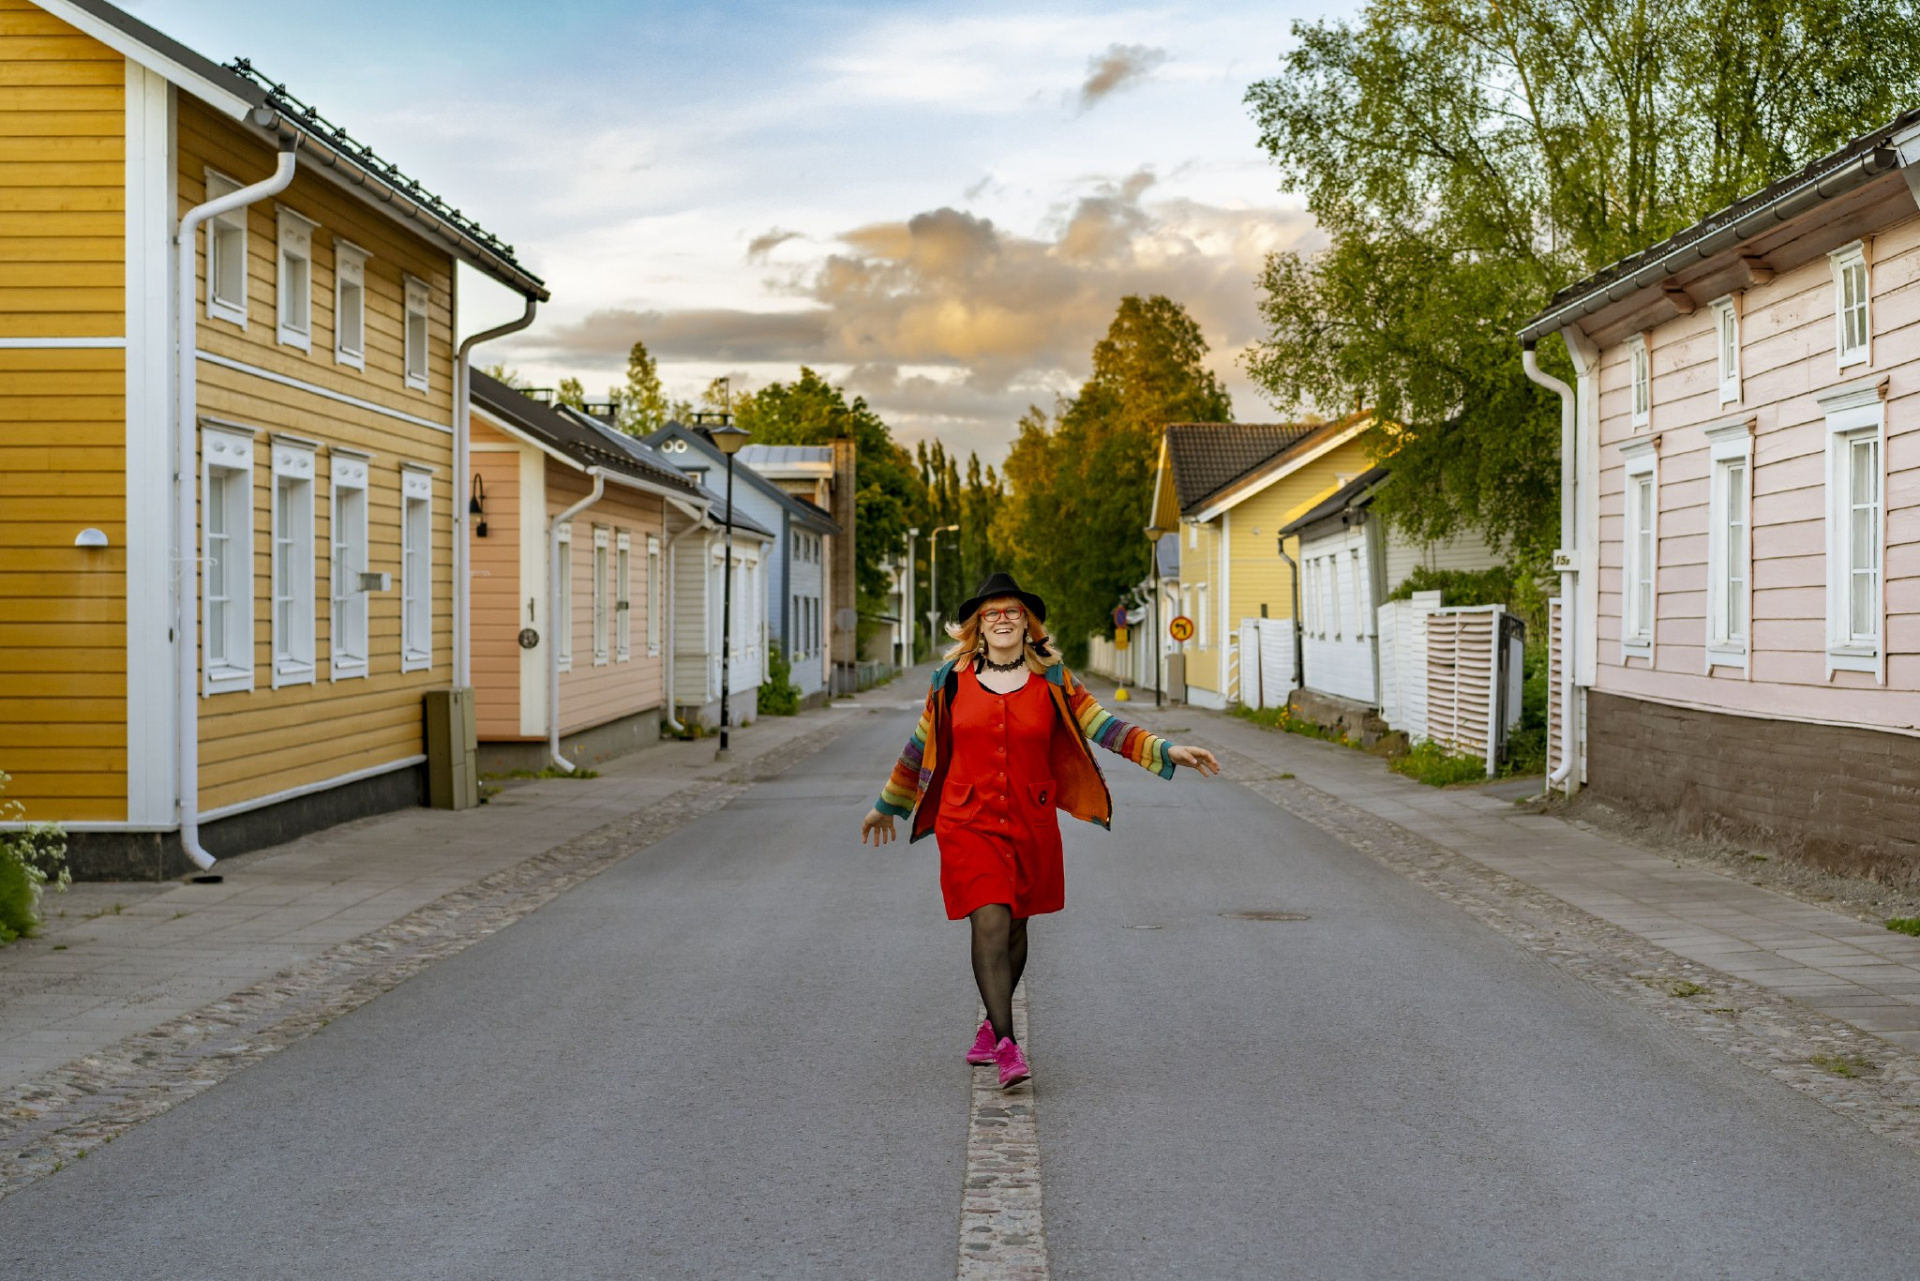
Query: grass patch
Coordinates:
[1905,925]
[1428,762]
[1282,718]
[551,771]
[1847,1065]
[1684,988]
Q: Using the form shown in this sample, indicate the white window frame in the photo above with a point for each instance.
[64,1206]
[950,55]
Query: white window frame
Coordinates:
[1335,617]
[1726,346]
[416,341]
[347,533]
[653,595]
[563,599]
[229,229]
[229,451]
[1640,364]
[293,278]
[416,567]
[602,615]
[1729,552]
[623,596]
[1359,610]
[1855,414]
[1641,461]
[349,298]
[1204,634]
[290,529]
[1846,261]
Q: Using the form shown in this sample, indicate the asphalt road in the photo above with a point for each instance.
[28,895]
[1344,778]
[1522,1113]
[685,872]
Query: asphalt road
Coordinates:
[737,1054]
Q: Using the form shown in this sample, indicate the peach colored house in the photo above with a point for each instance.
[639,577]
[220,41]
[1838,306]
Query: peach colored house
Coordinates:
[1743,551]
[535,463]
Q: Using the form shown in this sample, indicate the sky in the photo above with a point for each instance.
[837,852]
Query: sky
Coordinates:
[941,213]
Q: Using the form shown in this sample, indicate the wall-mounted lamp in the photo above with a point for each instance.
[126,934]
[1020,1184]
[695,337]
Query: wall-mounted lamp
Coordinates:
[476,506]
[90,538]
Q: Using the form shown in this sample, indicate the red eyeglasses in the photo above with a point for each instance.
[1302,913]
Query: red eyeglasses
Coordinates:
[1012,613]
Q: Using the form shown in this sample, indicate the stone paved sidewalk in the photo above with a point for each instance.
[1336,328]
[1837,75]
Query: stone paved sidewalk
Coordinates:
[1838,966]
[126,957]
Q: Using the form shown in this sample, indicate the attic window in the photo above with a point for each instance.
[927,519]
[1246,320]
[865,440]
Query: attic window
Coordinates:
[1642,360]
[226,256]
[296,279]
[417,300]
[349,304]
[1852,334]
[1726,326]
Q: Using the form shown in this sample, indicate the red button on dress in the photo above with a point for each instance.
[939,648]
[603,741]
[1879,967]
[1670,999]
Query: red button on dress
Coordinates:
[998,831]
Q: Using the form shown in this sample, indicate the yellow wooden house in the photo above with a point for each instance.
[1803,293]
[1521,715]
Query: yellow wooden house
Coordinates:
[230,479]
[1227,488]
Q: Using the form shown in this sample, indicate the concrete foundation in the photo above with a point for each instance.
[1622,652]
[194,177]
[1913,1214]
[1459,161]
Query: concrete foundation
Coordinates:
[1343,716]
[585,747]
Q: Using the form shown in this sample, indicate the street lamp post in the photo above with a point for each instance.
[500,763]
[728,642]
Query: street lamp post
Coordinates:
[933,580]
[727,438]
[1154,535]
[906,612]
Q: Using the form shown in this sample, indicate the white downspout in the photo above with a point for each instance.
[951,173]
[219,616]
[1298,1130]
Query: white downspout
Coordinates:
[671,621]
[554,588]
[186,488]
[1567,774]
[462,485]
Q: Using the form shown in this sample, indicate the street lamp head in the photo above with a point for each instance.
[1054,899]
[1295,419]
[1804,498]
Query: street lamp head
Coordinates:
[946,529]
[1155,533]
[728,438]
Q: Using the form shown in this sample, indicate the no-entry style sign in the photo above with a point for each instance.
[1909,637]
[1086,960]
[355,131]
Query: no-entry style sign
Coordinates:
[1181,628]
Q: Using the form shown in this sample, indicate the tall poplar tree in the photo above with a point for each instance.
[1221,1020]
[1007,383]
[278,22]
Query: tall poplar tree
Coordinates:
[643,404]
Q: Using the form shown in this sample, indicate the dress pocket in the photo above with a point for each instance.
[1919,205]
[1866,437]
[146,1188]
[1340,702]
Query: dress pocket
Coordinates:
[957,800]
[1041,792]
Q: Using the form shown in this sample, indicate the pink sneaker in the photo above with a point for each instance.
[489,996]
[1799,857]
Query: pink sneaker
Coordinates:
[982,1051]
[1013,1063]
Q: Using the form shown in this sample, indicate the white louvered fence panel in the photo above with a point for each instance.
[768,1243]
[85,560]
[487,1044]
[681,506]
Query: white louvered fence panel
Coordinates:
[1462,668]
[1556,666]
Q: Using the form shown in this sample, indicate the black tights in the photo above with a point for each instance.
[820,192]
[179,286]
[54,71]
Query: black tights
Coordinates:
[999,958]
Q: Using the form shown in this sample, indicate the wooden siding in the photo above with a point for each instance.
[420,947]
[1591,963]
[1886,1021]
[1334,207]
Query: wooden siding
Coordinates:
[499,612]
[62,185]
[1788,359]
[63,609]
[264,741]
[594,695]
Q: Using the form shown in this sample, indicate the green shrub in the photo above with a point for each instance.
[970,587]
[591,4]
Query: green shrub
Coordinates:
[29,858]
[779,696]
[1430,763]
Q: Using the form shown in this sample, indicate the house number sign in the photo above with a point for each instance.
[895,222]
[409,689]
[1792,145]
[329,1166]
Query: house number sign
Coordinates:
[528,638]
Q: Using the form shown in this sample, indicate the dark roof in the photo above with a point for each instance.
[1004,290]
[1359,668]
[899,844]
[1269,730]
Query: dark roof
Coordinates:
[1816,179]
[1207,457]
[276,111]
[577,441]
[1357,492]
[805,513]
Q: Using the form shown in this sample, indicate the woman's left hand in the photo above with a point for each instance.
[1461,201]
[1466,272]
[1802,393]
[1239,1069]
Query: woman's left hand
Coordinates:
[1195,758]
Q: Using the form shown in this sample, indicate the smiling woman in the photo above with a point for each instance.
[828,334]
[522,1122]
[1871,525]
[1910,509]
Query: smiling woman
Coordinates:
[1003,745]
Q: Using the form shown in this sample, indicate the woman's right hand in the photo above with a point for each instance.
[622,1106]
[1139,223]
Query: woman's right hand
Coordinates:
[877,825]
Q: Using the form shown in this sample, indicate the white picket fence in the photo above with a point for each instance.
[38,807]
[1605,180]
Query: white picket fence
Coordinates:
[1403,662]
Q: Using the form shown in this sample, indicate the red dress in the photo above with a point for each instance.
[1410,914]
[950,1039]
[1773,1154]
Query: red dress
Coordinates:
[998,830]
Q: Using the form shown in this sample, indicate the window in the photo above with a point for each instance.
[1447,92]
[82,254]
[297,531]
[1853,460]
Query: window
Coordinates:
[623,596]
[1641,358]
[417,299]
[1856,426]
[1729,548]
[1726,325]
[653,594]
[1852,333]
[563,598]
[1330,567]
[296,279]
[293,569]
[227,561]
[1642,544]
[226,256]
[349,304]
[600,611]
[416,567]
[347,630]
[1359,600]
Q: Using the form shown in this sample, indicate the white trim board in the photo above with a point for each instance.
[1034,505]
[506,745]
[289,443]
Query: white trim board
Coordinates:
[68,344]
[326,392]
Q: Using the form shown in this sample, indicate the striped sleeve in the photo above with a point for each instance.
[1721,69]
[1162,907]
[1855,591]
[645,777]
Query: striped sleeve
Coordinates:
[903,785]
[1103,728]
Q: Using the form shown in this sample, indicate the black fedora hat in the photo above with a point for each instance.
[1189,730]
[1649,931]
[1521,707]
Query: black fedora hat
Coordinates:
[996,586]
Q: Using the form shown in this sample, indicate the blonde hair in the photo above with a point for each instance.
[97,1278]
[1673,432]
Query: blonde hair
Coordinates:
[967,642]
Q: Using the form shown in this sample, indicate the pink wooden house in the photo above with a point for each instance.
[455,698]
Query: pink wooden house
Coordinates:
[1741,545]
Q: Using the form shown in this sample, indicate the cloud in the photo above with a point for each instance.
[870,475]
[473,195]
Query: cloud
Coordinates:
[1121,67]
[951,323]
[767,241]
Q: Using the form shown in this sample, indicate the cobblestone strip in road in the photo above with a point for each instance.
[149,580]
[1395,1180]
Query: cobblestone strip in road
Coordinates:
[1850,1071]
[64,1114]
[1002,1235]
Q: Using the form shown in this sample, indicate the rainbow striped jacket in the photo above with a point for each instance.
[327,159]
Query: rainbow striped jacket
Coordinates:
[1079,788]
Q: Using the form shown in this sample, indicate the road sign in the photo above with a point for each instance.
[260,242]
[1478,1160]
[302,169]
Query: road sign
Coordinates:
[1119,615]
[1120,638]
[1181,628]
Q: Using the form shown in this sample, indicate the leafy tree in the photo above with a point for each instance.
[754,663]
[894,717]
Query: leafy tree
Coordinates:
[969,499]
[1467,159]
[572,394]
[643,405]
[812,411]
[499,371]
[1082,481]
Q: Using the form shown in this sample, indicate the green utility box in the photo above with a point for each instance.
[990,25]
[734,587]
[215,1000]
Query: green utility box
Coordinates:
[453,773]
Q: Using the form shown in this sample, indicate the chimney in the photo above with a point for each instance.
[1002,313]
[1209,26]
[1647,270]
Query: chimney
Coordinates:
[845,647]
